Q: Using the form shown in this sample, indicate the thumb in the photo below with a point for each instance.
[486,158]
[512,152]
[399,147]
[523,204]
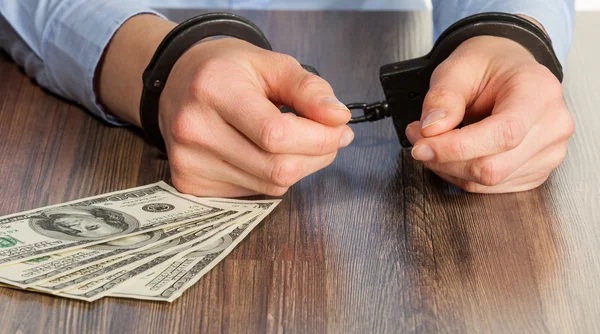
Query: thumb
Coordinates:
[451,90]
[308,94]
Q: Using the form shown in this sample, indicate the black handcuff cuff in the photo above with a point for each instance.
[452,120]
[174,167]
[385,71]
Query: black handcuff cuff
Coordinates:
[404,83]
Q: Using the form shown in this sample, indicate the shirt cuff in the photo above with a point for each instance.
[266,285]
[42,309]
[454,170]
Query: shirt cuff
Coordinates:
[75,41]
[556,17]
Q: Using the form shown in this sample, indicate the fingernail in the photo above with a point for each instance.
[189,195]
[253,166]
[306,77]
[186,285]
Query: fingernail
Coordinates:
[332,102]
[346,139]
[410,130]
[411,125]
[433,117]
[422,153]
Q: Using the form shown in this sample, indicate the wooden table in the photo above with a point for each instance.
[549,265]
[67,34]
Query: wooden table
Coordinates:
[374,243]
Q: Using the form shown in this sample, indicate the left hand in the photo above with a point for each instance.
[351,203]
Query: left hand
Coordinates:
[518,123]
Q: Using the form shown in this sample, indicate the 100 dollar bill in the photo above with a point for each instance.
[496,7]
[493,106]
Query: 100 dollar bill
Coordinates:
[97,288]
[27,274]
[94,220]
[84,276]
[168,281]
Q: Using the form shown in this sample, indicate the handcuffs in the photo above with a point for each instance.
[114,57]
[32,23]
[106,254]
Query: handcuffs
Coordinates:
[404,83]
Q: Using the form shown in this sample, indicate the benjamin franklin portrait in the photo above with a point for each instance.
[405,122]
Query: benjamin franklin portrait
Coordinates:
[83,223]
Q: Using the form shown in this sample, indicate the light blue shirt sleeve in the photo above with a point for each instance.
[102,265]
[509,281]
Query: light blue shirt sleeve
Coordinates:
[556,16]
[60,42]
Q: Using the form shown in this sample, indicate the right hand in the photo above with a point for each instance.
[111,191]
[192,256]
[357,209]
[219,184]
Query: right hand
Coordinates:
[224,132]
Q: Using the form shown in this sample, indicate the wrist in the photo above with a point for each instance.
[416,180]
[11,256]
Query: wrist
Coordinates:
[495,50]
[119,76]
[184,73]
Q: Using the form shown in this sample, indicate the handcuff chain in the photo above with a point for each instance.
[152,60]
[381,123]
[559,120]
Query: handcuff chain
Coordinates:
[371,112]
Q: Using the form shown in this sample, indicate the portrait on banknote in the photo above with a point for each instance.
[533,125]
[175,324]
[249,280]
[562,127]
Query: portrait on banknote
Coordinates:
[83,223]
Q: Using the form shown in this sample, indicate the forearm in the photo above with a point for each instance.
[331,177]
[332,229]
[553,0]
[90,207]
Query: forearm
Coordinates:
[119,75]
[60,42]
[555,16]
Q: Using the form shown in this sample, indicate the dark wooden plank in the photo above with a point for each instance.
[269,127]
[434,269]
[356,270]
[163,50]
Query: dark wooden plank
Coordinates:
[374,243]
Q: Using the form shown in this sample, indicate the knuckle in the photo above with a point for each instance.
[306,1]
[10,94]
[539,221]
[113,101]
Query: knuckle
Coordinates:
[271,135]
[182,128]
[511,134]
[457,150]
[469,186]
[324,142]
[284,172]
[486,173]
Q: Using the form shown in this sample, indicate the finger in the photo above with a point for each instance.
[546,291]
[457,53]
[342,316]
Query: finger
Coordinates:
[543,164]
[413,132]
[517,185]
[539,153]
[497,133]
[529,176]
[453,86]
[543,139]
[283,170]
[186,163]
[208,188]
[496,173]
[310,95]
[260,120]
[280,169]
[225,172]
[516,111]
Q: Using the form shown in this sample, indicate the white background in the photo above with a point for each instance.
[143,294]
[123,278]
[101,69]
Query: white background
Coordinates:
[587,4]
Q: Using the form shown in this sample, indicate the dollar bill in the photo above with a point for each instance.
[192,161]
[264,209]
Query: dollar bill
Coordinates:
[85,275]
[94,220]
[27,274]
[100,287]
[169,281]
[81,291]
[264,205]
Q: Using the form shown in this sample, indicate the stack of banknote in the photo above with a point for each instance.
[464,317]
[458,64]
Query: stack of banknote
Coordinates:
[150,242]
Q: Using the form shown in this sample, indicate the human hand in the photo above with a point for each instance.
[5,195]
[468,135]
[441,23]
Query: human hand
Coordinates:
[517,123]
[224,132]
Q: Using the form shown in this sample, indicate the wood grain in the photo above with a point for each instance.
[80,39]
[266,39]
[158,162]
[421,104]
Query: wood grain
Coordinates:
[372,244]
